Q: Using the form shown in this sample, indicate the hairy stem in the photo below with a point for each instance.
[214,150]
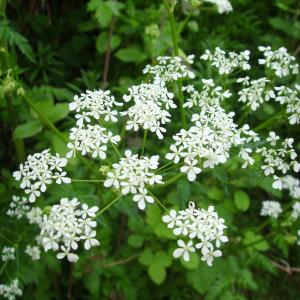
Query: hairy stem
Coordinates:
[158,201]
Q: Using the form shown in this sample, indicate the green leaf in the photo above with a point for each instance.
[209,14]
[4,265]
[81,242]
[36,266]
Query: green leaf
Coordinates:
[102,42]
[131,54]
[58,112]
[255,241]
[241,200]
[163,258]
[103,13]
[193,263]
[157,273]
[146,257]
[28,129]
[135,241]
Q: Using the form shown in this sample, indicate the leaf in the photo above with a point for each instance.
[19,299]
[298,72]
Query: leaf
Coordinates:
[135,241]
[193,263]
[28,129]
[241,200]
[58,112]
[163,258]
[255,241]
[103,13]
[15,39]
[131,54]
[146,257]
[102,42]
[157,273]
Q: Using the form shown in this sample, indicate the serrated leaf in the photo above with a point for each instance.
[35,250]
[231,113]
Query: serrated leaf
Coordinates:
[28,129]
[102,42]
[241,200]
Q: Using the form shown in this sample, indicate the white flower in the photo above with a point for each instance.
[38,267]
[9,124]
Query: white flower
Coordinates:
[223,6]
[92,139]
[8,253]
[72,257]
[184,250]
[226,63]
[201,225]
[11,291]
[33,251]
[68,223]
[132,174]
[273,138]
[296,210]
[279,61]
[271,208]
[209,256]
[38,171]
[150,109]
[170,69]
[171,218]
[18,207]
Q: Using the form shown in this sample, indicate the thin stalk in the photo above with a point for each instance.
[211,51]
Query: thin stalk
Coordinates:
[108,205]
[144,142]
[52,127]
[86,180]
[170,181]
[115,148]
[270,121]
[164,166]
[158,201]
[170,11]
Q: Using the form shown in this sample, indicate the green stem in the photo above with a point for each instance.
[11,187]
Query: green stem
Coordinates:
[170,181]
[158,201]
[52,127]
[108,205]
[115,148]
[144,142]
[86,180]
[270,121]
[19,143]
[170,11]
[3,267]
[164,166]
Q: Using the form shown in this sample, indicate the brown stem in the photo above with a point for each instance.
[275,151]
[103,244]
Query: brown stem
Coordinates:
[107,54]
[121,233]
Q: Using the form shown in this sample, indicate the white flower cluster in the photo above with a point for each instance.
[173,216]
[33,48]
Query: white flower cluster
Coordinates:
[94,104]
[87,138]
[201,225]
[170,68]
[91,139]
[11,291]
[254,92]
[291,184]
[33,251]
[279,61]
[35,216]
[210,139]
[18,207]
[271,208]
[290,98]
[68,223]
[132,175]
[278,160]
[210,95]
[8,253]
[150,110]
[296,210]
[39,170]
[223,6]
[226,63]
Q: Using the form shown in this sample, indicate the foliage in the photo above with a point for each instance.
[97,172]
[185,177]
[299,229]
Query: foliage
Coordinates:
[51,50]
